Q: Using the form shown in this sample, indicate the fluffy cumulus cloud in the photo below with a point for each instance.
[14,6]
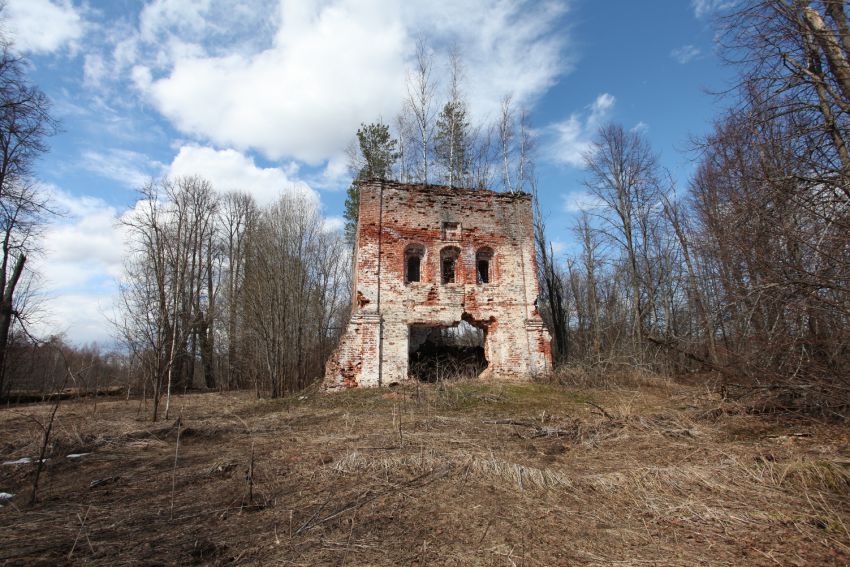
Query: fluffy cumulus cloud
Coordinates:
[302,78]
[572,138]
[43,26]
[82,257]
[82,241]
[230,170]
[685,53]
[333,224]
[82,318]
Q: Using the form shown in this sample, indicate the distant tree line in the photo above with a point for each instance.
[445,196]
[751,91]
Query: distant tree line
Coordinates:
[40,368]
[746,273]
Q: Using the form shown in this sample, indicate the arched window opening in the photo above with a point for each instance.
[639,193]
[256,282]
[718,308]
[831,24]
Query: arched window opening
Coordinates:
[413,255]
[448,264]
[413,268]
[484,265]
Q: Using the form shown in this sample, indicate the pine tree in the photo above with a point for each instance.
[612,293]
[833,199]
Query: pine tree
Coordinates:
[451,142]
[377,154]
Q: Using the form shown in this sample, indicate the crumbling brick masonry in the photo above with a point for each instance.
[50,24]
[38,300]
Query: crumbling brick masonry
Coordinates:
[435,256]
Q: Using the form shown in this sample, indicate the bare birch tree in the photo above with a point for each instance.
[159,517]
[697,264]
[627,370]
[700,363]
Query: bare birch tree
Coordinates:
[419,104]
[451,140]
[172,282]
[237,218]
[293,287]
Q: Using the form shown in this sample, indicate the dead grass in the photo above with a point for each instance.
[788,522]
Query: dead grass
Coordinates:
[637,471]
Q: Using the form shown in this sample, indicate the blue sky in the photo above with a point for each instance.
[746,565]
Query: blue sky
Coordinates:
[265,95]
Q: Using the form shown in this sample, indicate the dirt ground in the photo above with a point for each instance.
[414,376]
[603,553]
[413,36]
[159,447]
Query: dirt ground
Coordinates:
[650,472]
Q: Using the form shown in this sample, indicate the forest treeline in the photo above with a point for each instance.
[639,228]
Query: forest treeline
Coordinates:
[219,288]
[742,271]
[746,271]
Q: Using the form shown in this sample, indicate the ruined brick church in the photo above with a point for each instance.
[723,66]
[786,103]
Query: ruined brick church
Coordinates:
[428,261]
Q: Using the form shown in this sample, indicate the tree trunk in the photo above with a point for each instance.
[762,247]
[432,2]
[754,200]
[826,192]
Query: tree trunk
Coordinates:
[7,312]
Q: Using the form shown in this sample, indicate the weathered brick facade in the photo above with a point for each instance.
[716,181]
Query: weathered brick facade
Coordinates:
[444,228]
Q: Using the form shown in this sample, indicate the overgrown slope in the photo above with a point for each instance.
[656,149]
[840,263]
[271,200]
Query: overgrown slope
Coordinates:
[465,474]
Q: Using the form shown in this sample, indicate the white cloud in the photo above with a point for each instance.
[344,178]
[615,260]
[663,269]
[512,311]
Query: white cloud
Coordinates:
[82,256]
[602,104]
[234,25]
[704,8]
[141,77]
[43,26]
[231,170]
[335,175]
[83,318]
[320,69]
[573,136]
[640,127]
[131,169]
[497,41]
[332,224]
[328,71]
[160,15]
[578,201]
[685,54]
[82,244]
[94,70]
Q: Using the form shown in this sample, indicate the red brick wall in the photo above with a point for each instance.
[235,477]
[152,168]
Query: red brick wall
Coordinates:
[393,216]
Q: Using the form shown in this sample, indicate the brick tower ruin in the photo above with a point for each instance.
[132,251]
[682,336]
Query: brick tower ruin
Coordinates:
[429,259]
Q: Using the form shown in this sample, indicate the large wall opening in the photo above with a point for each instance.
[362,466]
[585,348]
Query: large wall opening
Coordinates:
[446,352]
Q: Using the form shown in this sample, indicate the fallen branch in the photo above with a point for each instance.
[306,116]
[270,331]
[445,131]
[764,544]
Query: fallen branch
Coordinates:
[538,430]
[600,408]
[370,495]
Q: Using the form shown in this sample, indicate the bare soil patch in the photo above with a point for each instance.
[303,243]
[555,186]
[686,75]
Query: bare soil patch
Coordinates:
[465,474]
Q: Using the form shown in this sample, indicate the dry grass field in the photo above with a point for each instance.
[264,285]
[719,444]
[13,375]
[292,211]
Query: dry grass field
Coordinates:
[637,472]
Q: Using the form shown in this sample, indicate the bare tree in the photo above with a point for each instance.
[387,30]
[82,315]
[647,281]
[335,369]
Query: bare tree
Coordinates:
[774,255]
[451,140]
[481,159]
[555,296]
[237,218]
[589,239]
[623,175]
[294,285]
[145,322]
[767,257]
[25,122]
[794,58]
[172,284]
[506,138]
[419,104]
[406,147]
[680,224]
[515,147]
